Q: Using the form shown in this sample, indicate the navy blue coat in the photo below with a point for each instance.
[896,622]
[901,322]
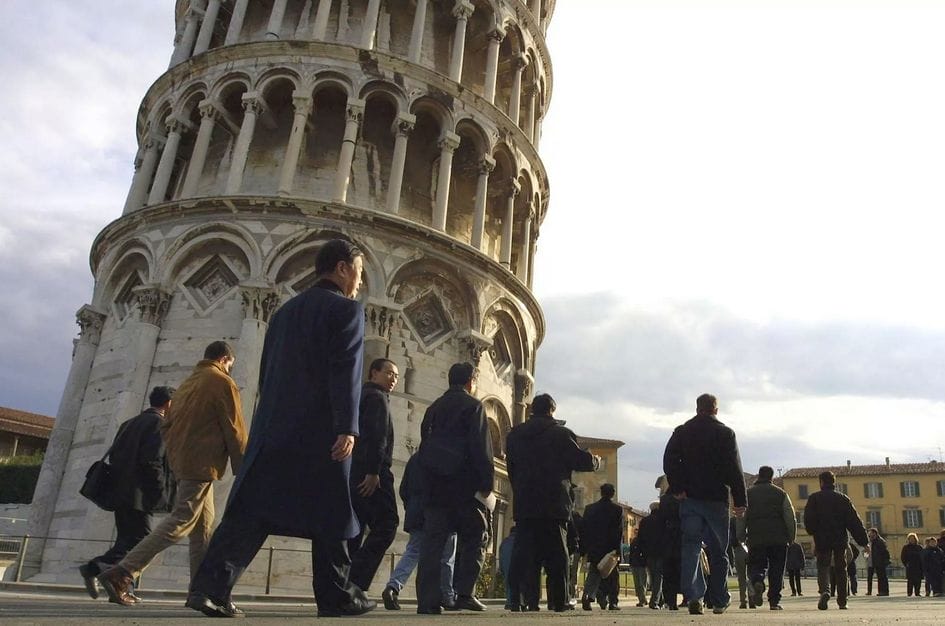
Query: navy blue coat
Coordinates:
[309,393]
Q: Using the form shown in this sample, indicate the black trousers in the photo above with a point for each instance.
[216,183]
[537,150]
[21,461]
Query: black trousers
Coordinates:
[237,540]
[913,583]
[851,574]
[768,560]
[132,526]
[671,579]
[869,580]
[882,580]
[537,542]
[794,577]
[470,522]
[379,513]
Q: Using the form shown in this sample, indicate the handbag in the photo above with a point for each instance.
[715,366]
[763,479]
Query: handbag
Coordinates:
[441,456]
[607,564]
[98,485]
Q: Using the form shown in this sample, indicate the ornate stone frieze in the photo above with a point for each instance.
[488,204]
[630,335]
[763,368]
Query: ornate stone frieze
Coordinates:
[380,320]
[152,304]
[259,302]
[90,321]
[475,345]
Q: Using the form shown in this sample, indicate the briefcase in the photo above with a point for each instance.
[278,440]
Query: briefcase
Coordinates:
[98,485]
[607,564]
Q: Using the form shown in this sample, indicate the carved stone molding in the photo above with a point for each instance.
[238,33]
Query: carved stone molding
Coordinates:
[524,383]
[152,303]
[90,321]
[380,320]
[475,345]
[259,302]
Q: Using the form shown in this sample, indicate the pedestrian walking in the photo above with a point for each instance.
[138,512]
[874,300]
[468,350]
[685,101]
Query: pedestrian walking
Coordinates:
[795,565]
[601,534]
[851,567]
[769,528]
[880,553]
[650,538]
[738,558]
[934,566]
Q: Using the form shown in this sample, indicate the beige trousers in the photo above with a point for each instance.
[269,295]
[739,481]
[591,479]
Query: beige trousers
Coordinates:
[192,517]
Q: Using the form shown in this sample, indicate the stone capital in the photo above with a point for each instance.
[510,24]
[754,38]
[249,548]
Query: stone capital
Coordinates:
[404,124]
[496,34]
[175,124]
[354,111]
[152,303]
[519,62]
[90,321]
[449,141]
[524,382]
[474,344]
[252,101]
[380,319]
[260,301]
[302,104]
[463,9]
[516,187]
[486,165]
[209,109]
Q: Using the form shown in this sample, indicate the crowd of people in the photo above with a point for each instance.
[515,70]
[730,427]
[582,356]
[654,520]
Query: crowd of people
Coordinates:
[316,464]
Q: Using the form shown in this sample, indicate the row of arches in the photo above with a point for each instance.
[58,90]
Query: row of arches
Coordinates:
[326,138]
[478,43]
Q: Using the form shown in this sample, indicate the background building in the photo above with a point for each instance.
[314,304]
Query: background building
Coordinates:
[22,433]
[588,484]
[896,498]
[407,126]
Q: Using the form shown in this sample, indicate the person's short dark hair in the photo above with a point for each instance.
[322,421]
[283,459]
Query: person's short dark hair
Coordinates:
[607,491]
[378,364]
[874,530]
[706,404]
[462,373]
[543,404]
[827,478]
[160,396]
[333,252]
[217,350]
[765,473]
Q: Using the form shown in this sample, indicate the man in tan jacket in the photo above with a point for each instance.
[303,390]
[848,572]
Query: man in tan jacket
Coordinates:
[202,431]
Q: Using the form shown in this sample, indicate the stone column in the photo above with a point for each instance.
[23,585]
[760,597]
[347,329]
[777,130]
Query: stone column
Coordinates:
[143,175]
[260,301]
[492,63]
[448,145]
[535,7]
[206,28]
[461,11]
[416,35]
[482,195]
[523,257]
[303,106]
[152,303]
[274,28]
[175,128]
[252,103]
[46,494]
[380,319]
[520,62]
[355,114]
[186,44]
[370,24]
[321,20]
[208,116]
[403,126]
[531,97]
[236,22]
[522,392]
[507,226]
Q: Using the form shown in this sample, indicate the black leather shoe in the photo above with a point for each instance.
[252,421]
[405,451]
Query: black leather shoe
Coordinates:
[389,596]
[359,605]
[586,604]
[469,603]
[202,603]
[449,605]
[91,585]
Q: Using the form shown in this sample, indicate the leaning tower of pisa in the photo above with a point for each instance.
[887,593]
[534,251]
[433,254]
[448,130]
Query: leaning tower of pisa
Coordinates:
[409,127]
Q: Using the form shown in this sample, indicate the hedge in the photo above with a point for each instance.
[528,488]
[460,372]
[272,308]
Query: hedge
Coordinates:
[18,476]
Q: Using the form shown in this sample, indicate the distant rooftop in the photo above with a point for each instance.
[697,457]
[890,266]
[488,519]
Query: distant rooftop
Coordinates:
[24,423]
[932,467]
[589,442]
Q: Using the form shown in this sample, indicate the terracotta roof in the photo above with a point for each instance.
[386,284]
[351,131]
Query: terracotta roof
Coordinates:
[587,442]
[23,423]
[932,467]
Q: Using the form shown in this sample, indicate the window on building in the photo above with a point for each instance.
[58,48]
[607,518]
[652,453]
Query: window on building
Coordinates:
[873,490]
[874,519]
[842,488]
[940,487]
[912,518]
[802,492]
[909,489]
[941,517]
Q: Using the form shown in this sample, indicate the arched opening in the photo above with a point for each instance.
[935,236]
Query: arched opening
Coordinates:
[374,153]
[523,205]
[423,155]
[256,22]
[223,139]
[268,146]
[319,159]
[464,180]
[394,26]
[500,188]
[510,53]
[438,37]
[477,47]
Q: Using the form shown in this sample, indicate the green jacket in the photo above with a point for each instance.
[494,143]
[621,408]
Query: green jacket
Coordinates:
[769,519]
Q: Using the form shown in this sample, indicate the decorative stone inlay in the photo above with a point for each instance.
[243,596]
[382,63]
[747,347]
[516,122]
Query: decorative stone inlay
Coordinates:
[499,352]
[259,303]
[429,319]
[452,299]
[211,283]
[153,303]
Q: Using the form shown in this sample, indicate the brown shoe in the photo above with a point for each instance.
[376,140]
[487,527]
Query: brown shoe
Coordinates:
[119,585]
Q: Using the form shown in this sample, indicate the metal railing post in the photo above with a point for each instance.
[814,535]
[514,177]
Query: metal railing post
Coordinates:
[269,571]
[22,557]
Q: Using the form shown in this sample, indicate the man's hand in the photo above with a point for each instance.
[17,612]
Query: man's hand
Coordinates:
[344,444]
[739,511]
[367,486]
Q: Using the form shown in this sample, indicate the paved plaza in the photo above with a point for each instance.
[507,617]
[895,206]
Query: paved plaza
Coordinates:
[37,605]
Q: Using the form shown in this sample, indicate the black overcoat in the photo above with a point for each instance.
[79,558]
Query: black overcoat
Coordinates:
[140,475]
[309,393]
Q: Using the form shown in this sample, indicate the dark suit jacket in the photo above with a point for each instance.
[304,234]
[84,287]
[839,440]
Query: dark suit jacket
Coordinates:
[141,476]
[702,459]
[602,529]
[309,393]
[374,449]
[828,516]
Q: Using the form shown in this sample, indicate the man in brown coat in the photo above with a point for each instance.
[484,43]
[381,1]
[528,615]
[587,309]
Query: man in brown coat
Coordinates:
[202,431]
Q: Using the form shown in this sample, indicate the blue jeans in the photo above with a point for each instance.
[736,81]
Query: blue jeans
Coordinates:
[408,563]
[704,521]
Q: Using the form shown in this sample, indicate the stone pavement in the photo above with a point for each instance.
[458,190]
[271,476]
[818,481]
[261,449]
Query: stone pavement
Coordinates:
[33,606]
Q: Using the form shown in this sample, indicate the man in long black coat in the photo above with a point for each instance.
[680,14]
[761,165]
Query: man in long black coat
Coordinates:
[456,456]
[142,483]
[294,480]
[601,533]
[372,482]
[541,454]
